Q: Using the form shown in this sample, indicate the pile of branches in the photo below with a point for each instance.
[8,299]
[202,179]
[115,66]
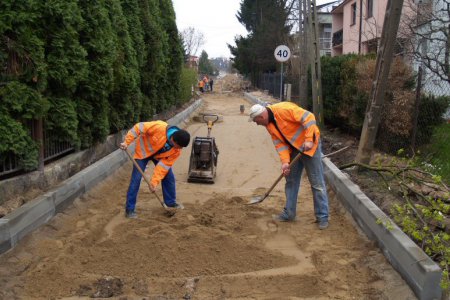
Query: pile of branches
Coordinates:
[424,206]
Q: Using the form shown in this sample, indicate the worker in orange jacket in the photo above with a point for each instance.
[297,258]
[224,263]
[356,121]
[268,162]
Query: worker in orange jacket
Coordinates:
[294,130]
[201,85]
[160,143]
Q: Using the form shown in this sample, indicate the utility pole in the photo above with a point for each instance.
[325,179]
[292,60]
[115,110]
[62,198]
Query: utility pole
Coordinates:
[316,74]
[303,50]
[383,65]
[360,26]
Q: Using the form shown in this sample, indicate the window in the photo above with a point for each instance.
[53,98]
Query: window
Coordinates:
[326,31]
[353,14]
[369,8]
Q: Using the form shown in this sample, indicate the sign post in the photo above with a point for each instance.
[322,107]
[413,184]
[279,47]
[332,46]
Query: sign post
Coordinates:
[282,54]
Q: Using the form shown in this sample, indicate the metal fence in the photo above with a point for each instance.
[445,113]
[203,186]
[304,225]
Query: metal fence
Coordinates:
[51,148]
[430,136]
[9,164]
[270,82]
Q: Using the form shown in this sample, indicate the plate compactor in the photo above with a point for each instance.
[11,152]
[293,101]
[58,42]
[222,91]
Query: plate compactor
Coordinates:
[203,162]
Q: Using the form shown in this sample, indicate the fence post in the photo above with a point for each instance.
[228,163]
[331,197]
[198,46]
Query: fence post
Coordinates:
[287,91]
[416,112]
[39,138]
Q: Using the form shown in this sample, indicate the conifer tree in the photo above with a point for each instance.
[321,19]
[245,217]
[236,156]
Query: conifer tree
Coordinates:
[66,68]
[131,12]
[175,53]
[125,72]
[99,40]
[268,26]
[22,79]
[204,65]
[152,69]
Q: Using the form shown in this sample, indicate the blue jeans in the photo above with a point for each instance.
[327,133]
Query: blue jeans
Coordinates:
[314,170]
[168,185]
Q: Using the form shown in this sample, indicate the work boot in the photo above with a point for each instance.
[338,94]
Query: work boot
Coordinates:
[323,224]
[130,214]
[177,206]
[283,218]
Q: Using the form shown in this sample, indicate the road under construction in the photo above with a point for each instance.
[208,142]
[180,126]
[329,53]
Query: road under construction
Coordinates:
[216,248]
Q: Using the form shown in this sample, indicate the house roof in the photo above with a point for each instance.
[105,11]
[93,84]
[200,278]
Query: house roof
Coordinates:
[339,9]
[326,4]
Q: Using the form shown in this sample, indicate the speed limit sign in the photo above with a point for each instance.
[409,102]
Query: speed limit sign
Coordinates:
[282,53]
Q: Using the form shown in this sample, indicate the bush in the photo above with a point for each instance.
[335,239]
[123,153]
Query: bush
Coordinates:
[353,103]
[439,151]
[332,86]
[188,79]
[431,110]
[347,86]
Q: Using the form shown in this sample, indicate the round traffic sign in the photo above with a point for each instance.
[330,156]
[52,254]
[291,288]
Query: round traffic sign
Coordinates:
[282,53]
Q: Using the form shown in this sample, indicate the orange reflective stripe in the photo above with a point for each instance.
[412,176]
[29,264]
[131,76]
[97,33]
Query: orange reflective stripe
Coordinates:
[297,126]
[166,161]
[149,137]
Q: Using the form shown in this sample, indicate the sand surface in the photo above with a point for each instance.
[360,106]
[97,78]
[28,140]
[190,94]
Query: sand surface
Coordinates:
[216,248]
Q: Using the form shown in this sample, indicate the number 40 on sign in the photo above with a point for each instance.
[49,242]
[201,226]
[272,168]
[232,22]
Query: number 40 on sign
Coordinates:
[282,53]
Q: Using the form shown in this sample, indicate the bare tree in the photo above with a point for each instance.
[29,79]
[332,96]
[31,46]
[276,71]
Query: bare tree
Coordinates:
[193,39]
[429,28]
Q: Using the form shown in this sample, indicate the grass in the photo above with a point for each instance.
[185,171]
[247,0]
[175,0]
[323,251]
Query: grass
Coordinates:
[439,148]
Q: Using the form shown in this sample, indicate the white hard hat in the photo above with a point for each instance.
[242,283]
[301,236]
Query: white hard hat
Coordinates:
[255,111]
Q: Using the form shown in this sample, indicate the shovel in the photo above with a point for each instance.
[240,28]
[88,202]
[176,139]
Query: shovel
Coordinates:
[259,199]
[148,183]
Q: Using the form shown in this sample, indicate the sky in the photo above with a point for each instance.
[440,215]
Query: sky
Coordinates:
[216,19]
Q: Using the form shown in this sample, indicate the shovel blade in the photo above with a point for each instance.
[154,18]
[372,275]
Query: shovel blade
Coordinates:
[257,199]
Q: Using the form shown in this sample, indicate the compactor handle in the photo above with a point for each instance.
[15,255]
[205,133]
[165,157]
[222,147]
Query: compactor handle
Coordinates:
[210,122]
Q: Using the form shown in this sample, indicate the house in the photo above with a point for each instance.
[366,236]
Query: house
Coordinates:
[357,25]
[324,21]
[192,62]
[431,50]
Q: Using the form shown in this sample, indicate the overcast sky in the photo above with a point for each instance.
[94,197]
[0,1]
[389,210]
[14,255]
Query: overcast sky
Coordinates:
[216,19]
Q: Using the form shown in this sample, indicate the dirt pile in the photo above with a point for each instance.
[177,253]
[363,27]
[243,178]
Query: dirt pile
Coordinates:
[233,83]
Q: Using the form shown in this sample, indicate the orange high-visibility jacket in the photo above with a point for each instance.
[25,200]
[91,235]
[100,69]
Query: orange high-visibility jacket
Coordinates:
[297,126]
[150,137]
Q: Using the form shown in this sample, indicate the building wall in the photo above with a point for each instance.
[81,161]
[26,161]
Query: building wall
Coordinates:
[371,26]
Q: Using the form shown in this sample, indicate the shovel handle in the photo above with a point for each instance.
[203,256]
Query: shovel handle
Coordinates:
[143,175]
[297,157]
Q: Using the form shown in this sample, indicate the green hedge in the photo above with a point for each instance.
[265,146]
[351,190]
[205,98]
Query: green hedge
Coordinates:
[188,79]
[86,68]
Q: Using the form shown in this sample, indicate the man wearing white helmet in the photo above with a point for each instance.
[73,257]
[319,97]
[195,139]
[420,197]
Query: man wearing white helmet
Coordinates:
[294,130]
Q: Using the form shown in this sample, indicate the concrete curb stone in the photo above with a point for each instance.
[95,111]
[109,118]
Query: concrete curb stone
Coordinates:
[30,216]
[5,236]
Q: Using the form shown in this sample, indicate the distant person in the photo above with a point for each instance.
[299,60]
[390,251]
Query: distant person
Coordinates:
[162,144]
[206,81]
[211,82]
[201,84]
[293,129]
